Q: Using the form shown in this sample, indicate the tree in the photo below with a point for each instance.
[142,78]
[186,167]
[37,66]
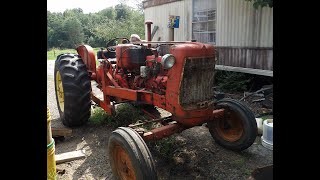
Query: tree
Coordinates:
[139,5]
[122,11]
[73,32]
[54,29]
[77,12]
[73,27]
[262,3]
[124,27]
[108,13]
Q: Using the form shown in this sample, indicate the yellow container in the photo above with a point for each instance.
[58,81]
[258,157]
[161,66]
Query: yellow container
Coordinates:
[49,133]
[51,162]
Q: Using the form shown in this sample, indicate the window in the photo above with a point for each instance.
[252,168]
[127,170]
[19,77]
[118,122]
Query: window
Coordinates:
[204,21]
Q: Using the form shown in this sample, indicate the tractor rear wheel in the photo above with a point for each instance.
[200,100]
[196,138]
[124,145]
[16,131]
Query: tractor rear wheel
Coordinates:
[237,128]
[129,156]
[72,87]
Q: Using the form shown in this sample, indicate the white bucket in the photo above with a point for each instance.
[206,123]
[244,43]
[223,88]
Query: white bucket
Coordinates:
[267,134]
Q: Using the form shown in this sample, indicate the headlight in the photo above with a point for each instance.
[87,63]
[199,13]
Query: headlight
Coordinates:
[168,61]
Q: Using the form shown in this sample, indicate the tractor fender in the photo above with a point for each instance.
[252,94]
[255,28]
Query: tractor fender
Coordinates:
[87,55]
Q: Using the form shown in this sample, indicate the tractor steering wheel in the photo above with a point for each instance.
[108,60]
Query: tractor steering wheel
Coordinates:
[111,45]
[111,48]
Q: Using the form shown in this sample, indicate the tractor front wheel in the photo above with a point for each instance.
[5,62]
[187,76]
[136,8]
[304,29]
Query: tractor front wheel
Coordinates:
[129,156]
[72,87]
[237,128]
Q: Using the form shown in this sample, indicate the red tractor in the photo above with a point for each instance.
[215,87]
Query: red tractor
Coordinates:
[175,76]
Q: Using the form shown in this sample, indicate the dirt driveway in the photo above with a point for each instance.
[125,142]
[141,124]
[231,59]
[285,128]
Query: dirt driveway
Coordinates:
[195,155]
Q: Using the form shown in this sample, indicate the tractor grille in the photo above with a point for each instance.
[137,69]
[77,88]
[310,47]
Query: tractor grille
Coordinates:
[196,89]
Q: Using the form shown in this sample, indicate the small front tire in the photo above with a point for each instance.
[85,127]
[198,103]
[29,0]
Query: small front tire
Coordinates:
[129,156]
[237,128]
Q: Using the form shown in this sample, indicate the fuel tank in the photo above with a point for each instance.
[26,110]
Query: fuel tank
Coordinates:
[131,56]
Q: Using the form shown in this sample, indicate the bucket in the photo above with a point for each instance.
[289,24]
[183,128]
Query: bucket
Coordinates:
[51,162]
[267,134]
[49,133]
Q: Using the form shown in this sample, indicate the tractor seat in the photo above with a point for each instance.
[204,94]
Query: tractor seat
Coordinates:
[111,56]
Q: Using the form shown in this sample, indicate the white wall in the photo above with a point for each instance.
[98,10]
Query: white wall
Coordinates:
[159,15]
[239,24]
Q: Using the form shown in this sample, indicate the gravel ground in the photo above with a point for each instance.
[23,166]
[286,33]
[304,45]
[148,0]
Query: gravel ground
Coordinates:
[195,154]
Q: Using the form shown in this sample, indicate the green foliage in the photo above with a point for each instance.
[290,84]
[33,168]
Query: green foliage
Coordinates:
[122,11]
[54,29]
[73,27]
[262,3]
[126,22]
[126,114]
[232,81]
[246,171]
[164,147]
[109,13]
[238,162]
[73,35]
[99,116]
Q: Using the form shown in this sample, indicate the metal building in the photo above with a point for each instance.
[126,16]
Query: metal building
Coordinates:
[243,35]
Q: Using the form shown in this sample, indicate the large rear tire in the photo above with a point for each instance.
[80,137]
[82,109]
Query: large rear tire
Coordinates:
[72,87]
[129,156]
[237,128]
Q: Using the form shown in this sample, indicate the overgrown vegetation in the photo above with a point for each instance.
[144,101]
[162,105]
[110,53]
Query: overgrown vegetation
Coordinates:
[238,162]
[72,27]
[262,3]
[229,81]
[125,115]
[164,147]
[232,81]
[247,171]
[99,116]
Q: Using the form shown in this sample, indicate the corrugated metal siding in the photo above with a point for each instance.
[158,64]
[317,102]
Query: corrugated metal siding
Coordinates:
[151,3]
[239,24]
[266,36]
[159,15]
[241,31]
[246,57]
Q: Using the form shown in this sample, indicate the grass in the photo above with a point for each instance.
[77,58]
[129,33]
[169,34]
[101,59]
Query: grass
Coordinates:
[266,117]
[99,116]
[53,53]
[125,115]
[247,172]
[238,162]
[164,148]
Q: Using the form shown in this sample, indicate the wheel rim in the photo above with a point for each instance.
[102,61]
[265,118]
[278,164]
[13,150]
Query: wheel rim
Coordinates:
[230,126]
[123,164]
[59,91]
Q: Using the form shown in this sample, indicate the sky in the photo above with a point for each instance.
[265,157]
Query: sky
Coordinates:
[88,6]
